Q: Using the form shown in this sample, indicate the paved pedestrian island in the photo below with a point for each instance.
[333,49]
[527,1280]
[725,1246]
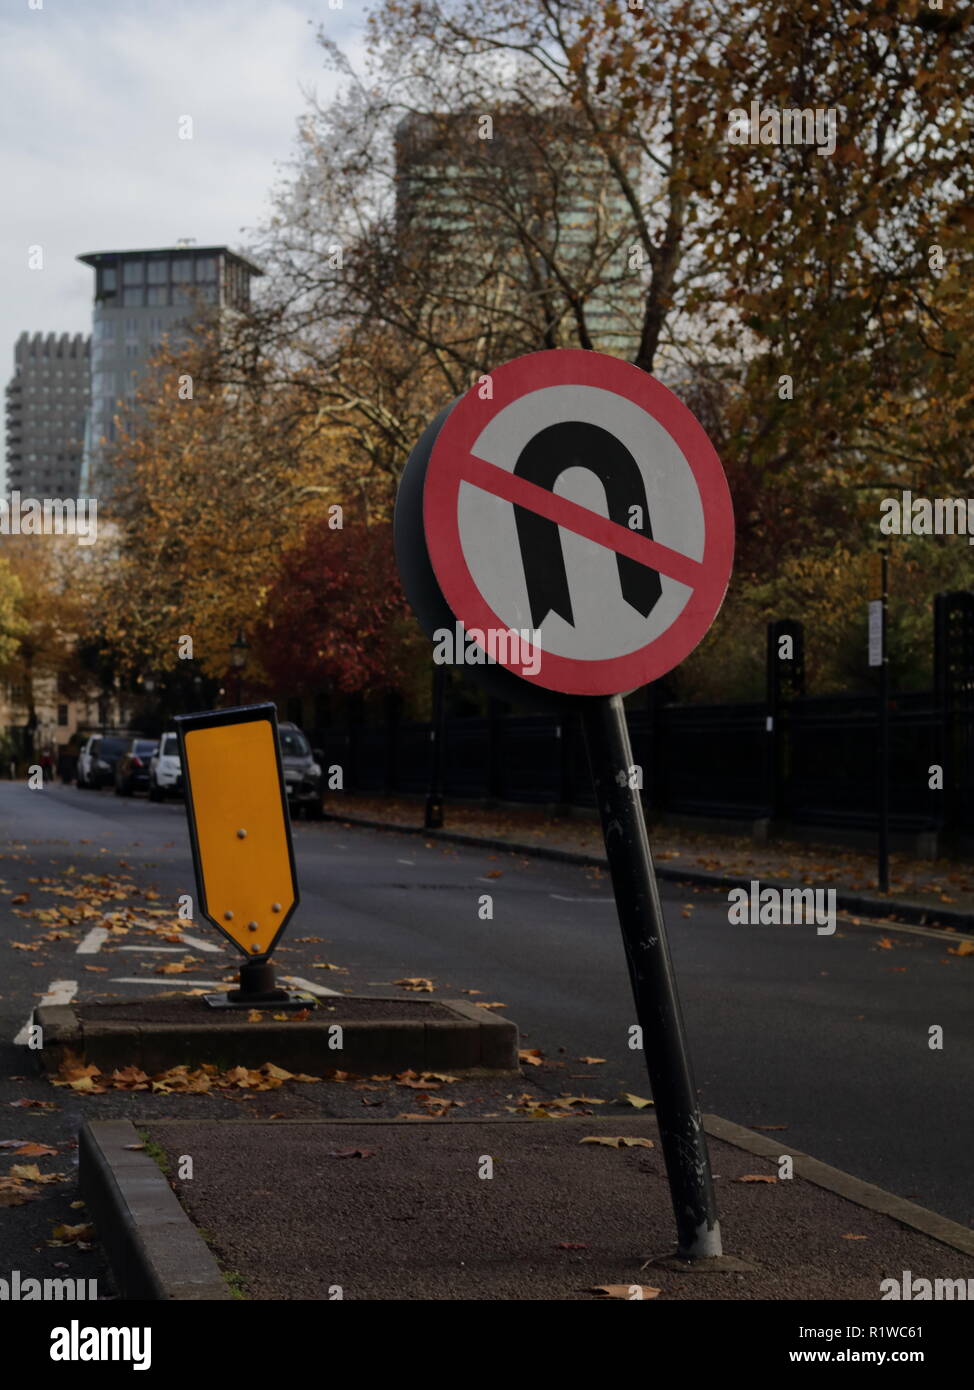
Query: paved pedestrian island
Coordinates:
[402,1209]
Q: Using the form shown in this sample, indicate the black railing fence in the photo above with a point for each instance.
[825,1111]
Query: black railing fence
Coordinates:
[715,761]
[807,760]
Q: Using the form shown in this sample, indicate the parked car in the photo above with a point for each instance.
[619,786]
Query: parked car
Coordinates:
[302,772]
[165,769]
[110,749]
[87,760]
[132,767]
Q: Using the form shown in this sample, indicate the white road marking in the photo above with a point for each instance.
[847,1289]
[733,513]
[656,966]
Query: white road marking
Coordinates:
[199,944]
[176,950]
[171,981]
[309,985]
[410,862]
[93,942]
[938,933]
[558,897]
[59,992]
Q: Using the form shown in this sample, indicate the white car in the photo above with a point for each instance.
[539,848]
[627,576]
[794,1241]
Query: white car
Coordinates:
[87,760]
[165,769]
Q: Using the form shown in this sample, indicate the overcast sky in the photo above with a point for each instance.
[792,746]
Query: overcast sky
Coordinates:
[91,92]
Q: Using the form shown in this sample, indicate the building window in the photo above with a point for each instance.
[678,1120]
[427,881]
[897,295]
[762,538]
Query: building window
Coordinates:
[157,294]
[132,298]
[206,268]
[132,273]
[108,279]
[158,272]
[182,268]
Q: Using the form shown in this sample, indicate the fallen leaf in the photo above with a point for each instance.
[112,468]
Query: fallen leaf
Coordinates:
[35,1150]
[591,1061]
[417,983]
[69,1235]
[964,948]
[255,1016]
[571,1245]
[884,943]
[636,1101]
[854,1237]
[352,1153]
[533,1056]
[756,1177]
[629,1292]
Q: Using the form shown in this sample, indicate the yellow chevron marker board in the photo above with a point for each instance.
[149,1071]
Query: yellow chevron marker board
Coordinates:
[238,824]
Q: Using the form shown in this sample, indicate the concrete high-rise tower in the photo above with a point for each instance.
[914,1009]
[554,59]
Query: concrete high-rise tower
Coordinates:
[47,397]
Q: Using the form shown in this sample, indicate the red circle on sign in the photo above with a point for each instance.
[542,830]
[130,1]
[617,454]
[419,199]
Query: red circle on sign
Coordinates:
[452,462]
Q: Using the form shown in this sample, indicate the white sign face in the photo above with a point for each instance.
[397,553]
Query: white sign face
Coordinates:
[603,623]
[876,632]
[577,502]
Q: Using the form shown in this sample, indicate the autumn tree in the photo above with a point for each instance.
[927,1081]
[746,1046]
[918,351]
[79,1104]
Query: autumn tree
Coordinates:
[210,489]
[336,616]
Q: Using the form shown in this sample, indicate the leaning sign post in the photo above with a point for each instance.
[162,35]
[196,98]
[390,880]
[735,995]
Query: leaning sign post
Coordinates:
[241,840]
[573,516]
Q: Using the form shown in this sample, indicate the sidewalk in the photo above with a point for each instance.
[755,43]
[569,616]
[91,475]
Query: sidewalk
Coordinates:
[926,891]
[490,1209]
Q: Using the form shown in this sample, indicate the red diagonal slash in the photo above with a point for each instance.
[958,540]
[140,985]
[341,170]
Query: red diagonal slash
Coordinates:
[581,520]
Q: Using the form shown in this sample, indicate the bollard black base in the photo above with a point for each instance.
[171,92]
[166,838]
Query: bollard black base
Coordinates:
[258,989]
[434,813]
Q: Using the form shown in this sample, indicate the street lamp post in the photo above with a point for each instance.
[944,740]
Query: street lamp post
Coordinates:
[239,648]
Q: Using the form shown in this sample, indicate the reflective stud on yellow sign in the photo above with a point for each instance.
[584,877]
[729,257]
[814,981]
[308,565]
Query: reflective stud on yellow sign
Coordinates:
[238,824]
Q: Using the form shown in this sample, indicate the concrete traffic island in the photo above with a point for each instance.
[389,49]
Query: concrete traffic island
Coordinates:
[376,1034]
[486,1209]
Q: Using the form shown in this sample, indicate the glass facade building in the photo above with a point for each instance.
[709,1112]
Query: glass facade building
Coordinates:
[141,299]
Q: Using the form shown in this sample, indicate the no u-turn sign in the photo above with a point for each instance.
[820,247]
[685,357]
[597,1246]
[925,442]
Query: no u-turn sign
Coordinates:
[572,516]
[573,501]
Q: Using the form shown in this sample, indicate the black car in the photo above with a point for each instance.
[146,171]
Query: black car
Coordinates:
[105,757]
[302,773]
[132,768]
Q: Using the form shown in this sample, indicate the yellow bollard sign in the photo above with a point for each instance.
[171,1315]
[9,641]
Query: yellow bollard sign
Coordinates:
[238,824]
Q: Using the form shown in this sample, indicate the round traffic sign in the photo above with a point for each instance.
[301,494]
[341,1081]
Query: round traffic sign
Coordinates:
[577,522]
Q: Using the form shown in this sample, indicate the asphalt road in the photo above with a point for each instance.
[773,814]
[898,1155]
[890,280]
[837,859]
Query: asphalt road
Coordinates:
[824,1035]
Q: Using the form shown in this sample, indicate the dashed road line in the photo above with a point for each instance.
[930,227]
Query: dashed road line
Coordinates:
[169,982]
[91,944]
[309,985]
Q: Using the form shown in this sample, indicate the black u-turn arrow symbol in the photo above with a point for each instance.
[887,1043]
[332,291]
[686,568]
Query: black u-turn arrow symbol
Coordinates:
[579,444]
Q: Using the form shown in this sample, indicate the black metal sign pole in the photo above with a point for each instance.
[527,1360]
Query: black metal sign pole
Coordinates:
[883,874]
[653,984]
